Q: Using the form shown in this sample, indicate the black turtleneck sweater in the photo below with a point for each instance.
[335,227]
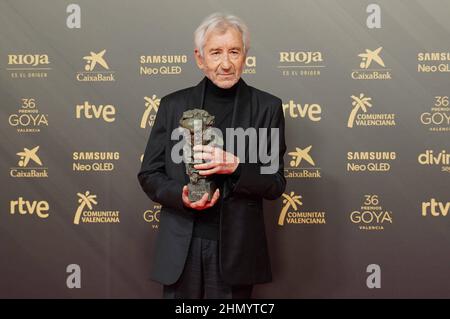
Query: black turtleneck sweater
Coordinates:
[218,102]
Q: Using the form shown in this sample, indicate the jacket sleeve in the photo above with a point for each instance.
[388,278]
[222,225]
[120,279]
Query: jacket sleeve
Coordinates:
[152,175]
[250,181]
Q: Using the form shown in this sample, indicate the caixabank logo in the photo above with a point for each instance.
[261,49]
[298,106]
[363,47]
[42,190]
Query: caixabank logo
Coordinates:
[28,66]
[371,215]
[302,165]
[371,66]
[28,118]
[301,63]
[29,164]
[292,213]
[96,68]
[86,212]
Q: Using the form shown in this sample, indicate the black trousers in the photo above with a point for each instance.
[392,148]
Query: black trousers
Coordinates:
[201,276]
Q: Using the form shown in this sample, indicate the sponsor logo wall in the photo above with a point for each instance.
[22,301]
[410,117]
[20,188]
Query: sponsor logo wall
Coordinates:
[365,87]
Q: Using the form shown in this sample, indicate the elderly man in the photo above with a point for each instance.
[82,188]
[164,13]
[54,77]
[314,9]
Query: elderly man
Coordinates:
[214,247]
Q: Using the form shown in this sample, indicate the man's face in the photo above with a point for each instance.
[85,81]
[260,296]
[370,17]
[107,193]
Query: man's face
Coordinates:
[224,57]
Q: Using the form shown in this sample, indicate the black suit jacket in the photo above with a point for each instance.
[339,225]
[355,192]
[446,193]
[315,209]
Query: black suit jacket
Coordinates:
[244,257]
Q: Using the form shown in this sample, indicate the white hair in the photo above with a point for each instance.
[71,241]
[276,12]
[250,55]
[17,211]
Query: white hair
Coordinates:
[221,22]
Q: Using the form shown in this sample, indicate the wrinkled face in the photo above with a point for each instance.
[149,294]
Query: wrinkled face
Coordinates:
[224,57]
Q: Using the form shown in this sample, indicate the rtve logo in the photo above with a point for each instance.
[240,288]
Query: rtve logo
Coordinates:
[89,111]
[311,111]
[435,208]
[25,207]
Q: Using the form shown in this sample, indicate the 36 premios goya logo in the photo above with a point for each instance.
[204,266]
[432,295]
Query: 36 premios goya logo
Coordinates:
[371,215]
[438,118]
[28,118]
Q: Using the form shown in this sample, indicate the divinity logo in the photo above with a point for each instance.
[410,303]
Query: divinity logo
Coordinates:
[236,138]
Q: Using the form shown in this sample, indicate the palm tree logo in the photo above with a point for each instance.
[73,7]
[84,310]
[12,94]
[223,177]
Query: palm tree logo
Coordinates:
[150,104]
[84,200]
[289,201]
[300,154]
[358,103]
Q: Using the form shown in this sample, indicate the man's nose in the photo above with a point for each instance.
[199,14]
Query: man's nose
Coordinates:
[226,64]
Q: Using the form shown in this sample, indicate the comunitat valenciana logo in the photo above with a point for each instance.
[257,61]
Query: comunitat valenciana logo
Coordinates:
[372,66]
[86,214]
[151,108]
[291,214]
[360,115]
[96,68]
[301,164]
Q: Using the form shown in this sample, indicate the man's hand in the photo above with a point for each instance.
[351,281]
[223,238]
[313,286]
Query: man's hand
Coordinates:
[218,161]
[201,204]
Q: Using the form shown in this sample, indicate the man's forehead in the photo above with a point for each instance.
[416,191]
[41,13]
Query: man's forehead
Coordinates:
[229,38]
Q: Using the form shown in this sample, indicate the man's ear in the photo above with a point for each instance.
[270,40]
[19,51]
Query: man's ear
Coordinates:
[198,58]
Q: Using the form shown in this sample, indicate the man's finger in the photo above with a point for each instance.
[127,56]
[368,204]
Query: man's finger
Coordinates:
[214,199]
[203,148]
[206,172]
[206,165]
[203,156]
[200,203]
